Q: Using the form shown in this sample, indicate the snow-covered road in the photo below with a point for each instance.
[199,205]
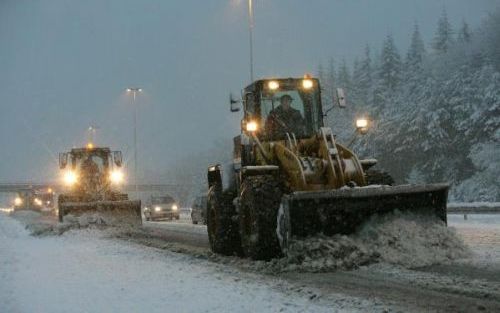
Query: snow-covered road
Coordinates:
[91,271]
[82,271]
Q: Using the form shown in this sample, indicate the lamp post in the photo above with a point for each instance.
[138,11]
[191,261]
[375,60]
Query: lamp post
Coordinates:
[134,91]
[250,32]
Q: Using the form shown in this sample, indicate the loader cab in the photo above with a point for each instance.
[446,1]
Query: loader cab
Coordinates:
[82,164]
[264,98]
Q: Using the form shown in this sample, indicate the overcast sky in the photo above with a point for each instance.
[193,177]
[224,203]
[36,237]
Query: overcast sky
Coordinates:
[64,65]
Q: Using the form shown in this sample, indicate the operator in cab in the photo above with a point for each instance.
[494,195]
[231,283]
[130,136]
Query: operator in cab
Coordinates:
[285,119]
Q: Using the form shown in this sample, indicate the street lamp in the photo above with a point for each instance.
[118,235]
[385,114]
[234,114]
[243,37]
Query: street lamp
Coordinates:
[250,31]
[134,91]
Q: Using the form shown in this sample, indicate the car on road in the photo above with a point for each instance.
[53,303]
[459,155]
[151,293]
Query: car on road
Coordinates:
[199,210]
[161,208]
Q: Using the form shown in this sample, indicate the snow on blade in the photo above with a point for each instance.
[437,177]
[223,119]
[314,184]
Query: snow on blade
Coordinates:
[403,239]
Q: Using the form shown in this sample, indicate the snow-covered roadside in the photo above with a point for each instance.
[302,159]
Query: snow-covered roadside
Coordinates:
[82,271]
[481,232]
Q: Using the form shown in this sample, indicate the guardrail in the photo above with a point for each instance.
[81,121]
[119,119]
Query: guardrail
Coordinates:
[474,208]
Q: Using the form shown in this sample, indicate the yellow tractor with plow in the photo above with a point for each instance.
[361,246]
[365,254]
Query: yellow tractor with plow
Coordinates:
[290,178]
[92,176]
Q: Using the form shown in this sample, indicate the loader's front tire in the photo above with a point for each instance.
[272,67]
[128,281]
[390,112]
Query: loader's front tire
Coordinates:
[223,233]
[260,201]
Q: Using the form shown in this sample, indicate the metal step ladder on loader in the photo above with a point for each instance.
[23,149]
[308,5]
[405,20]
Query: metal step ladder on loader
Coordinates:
[290,178]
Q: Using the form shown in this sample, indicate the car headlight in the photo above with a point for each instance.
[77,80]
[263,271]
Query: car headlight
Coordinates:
[157,208]
[174,207]
[38,202]
[116,177]
[18,201]
[70,178]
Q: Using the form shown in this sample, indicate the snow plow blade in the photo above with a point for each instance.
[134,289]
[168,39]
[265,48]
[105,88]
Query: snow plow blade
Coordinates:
[342,211]
[115,213]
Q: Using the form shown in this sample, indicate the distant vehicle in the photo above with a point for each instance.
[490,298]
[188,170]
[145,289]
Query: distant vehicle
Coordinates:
[199,210]
[36,200]
[161,207]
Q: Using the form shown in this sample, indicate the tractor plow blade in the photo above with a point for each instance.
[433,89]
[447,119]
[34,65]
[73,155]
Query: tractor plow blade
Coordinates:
[342,211]
[116,213]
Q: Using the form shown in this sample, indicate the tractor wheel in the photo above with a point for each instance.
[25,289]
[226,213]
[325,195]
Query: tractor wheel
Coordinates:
[222,229]
[376,177]
[260,201]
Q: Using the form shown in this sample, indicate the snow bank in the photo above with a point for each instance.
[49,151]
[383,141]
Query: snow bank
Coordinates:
[402,239]
[38,225]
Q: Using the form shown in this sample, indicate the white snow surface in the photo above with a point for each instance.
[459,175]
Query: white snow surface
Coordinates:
[402,239]
[85,271]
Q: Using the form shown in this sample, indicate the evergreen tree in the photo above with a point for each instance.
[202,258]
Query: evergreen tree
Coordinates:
[444,34]
[390,65]
[416,52]
[344,77]
[464,35]
[362,78]
[331,80]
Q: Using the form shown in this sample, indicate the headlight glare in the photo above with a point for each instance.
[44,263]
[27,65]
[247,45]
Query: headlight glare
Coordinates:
[116,177]
[70,178]
[18,201]
[252,126]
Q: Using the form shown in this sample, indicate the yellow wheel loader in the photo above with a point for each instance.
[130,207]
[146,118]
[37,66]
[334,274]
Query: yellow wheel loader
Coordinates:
[291,178]
[92,176]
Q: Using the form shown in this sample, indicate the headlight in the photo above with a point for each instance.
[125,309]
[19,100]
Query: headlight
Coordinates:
[38,201]
[252,126]
[116,177]
[18,201]
[174,207]
[307,83]
[157,208]
[273,85]
[69,178]
[361,123]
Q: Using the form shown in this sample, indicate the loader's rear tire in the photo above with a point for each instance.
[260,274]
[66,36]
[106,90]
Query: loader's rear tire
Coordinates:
[260,201]
[223,233]
[376,177]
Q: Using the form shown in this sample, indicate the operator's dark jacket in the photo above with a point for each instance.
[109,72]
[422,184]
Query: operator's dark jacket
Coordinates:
[294,123]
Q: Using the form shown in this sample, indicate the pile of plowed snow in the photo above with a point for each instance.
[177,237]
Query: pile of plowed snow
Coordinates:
[40,226]
[402,239]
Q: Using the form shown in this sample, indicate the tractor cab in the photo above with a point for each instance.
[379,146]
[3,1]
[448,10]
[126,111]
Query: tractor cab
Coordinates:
[275,109]
[86,165]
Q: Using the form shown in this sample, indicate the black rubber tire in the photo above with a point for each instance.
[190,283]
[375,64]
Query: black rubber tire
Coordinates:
[222,228]
[260,201]
[377,177]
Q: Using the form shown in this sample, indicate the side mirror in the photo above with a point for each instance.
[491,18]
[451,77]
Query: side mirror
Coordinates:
[341,98]
[117,157]
[63,160]
[234,103]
